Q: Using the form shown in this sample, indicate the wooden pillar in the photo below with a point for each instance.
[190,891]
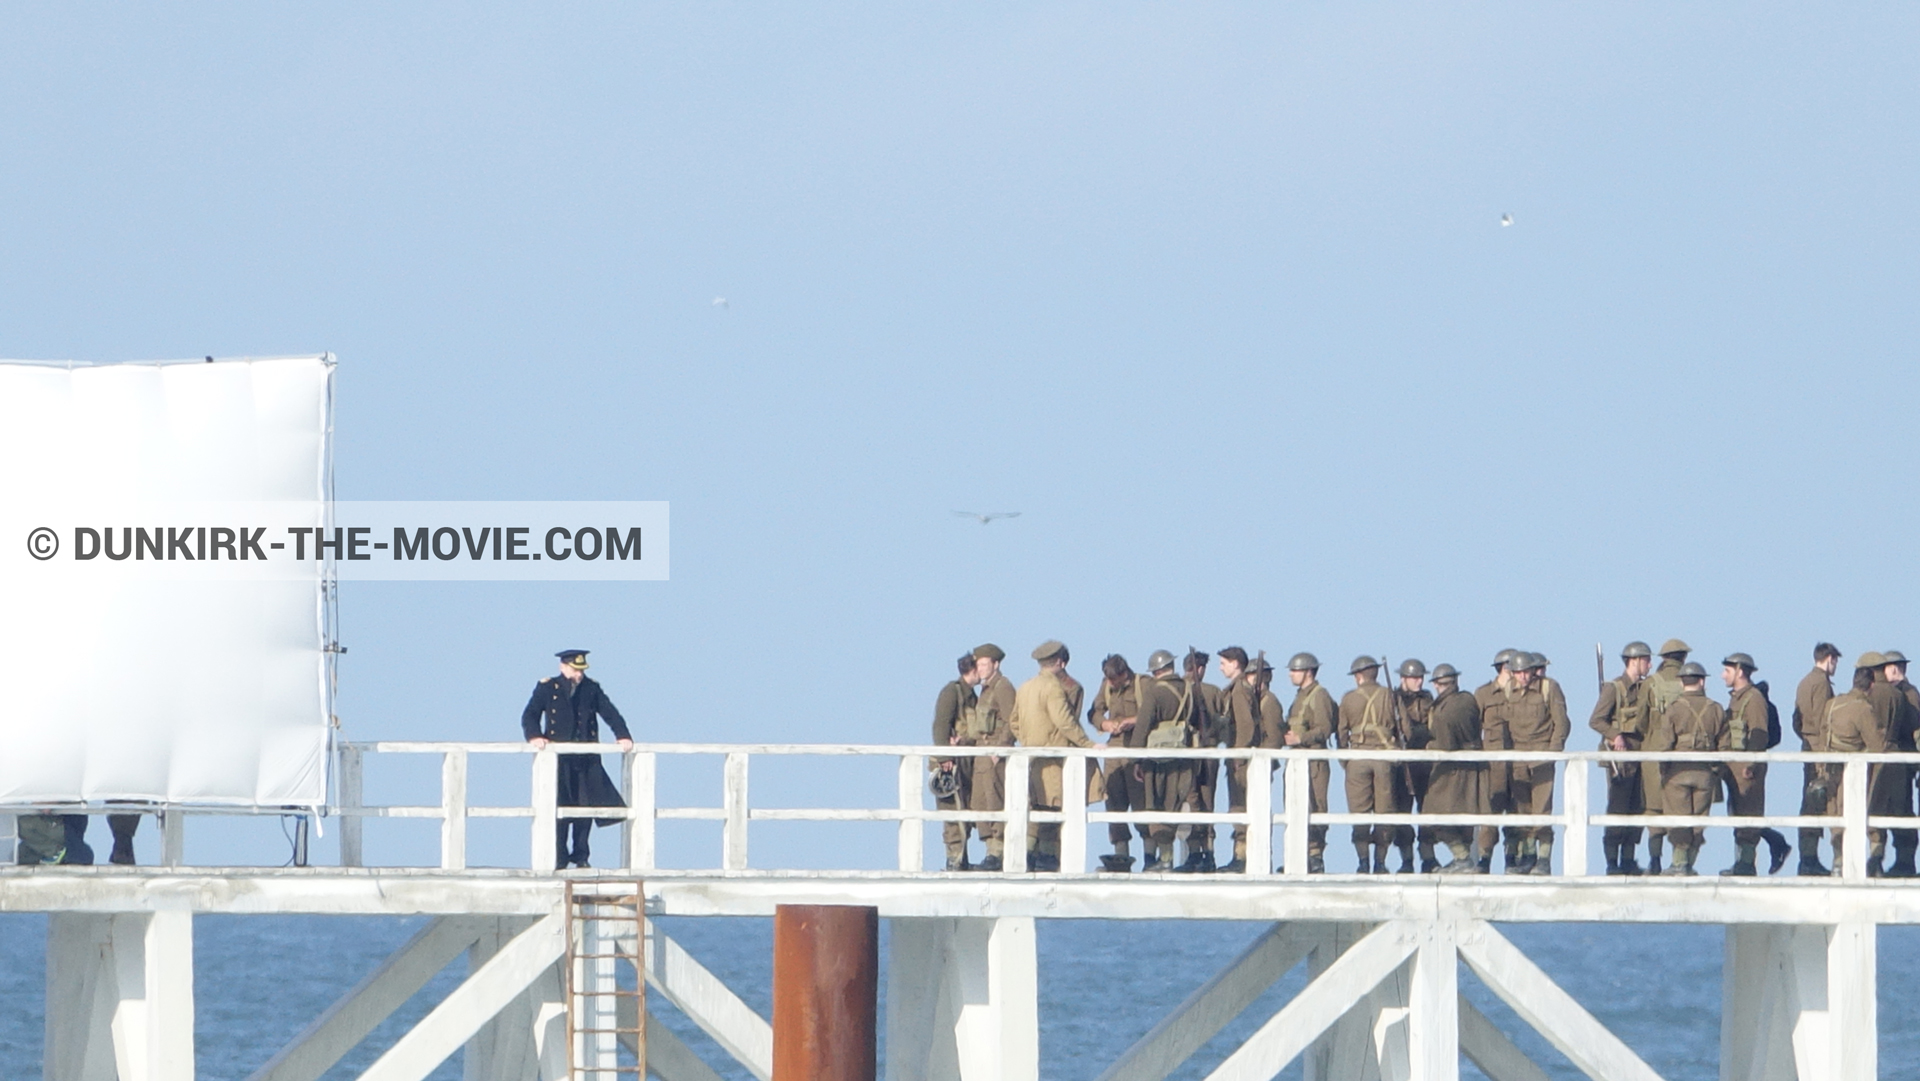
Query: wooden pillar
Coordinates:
[826,967]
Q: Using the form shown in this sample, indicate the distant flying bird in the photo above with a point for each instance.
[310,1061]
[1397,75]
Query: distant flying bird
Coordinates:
[984,519]
[721,302]
[1506,219]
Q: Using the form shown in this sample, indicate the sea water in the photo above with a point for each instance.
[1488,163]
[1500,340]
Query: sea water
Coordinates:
[260,979]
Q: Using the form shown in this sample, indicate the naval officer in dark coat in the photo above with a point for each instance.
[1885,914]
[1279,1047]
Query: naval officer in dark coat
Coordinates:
[564,709]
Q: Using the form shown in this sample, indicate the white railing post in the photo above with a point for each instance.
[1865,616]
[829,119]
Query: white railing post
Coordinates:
[1573,859]
[453,810]
[733,839]
[640,824]
[546,791]
[1014,840]
[1298,795]
[173,836]
[1260,814]
[351,852]
[1073,804]
[913,830]
[1853,798]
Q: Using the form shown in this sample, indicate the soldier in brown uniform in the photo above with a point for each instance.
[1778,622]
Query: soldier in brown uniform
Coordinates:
[1663,686]
[1115,706]
[988,791]
[1045,714]
[956,724]
[1746,781]
[1413,705]
[1491,697]
[1310,721]
[1536,720]
[1240,721]
[1809,714]
[1367,724]
[1691,722]
[1620,716]
[1904,840]
[1892,785]
[1209,731]
[1849,727]
[1455,788]
[1167,710]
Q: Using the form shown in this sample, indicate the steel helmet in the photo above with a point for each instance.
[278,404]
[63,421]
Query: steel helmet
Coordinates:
[1361,664]
[1692,670]
[1412,669]
[1445,671]
[1635,650]
[1741,660]
[1501,658]
[1161,659]
[1303,662]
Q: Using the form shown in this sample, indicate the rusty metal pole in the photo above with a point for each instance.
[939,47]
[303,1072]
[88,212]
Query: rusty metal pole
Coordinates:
[826,968]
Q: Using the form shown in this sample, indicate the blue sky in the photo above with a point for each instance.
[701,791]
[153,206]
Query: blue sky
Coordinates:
[1216,295]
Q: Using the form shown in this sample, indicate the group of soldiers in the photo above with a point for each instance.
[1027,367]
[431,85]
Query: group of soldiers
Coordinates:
[1657,703]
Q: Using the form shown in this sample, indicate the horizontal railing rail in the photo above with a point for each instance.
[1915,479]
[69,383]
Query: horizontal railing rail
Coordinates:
[1289,768]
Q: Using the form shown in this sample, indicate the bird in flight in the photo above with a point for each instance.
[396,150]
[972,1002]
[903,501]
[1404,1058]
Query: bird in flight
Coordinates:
[988,517]
[721,302]
[1506,219]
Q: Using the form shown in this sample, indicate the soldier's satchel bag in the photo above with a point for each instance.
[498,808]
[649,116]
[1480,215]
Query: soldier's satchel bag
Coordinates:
[1173,733]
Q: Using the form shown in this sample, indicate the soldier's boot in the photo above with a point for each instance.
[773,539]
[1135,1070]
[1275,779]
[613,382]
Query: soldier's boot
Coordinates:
[1382,844]
[1316,863]
[1405,845]
[1364,854]
[1904,842]
[1629,856]
[1876,858]
[1238,864]
[1463,861]
[1429,862]
[957,857]
[1810,848]
[1199,862]
[992,863]
[1543,859]
[1654,845]
[1811,867]
[1519,858]
[1682,866]
[1611,847]
[123,827]
[1777,849]
[1743,863]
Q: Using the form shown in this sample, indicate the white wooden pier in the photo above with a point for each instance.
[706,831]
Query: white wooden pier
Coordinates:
[1383,953]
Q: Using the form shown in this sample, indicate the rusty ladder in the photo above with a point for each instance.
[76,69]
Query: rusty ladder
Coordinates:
[606,989]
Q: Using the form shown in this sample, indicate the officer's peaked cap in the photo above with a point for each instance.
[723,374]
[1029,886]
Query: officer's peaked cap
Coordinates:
[574,657]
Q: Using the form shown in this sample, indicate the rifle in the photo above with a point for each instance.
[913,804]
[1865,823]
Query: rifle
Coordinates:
[1616,770]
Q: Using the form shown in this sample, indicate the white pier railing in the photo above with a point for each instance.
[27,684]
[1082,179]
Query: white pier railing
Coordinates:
[638,773]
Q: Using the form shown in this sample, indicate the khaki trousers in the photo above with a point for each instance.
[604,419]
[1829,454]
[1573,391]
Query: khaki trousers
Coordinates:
[1371,790]
[1044,788]
[1124,794]
[1687,792]
[988,792]
[1165,787]
[1746,795]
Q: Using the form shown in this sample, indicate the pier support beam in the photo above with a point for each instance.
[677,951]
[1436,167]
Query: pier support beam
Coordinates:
[119,997]
[528,1037]
[962,1000]
[826,978]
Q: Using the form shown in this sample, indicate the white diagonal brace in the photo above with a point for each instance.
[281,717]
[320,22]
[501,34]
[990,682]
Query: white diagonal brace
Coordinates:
[1542,1003]
[345,1023]
[1322,1002]
[472,1004]
[668,1057]
[709,1003]
[1489,1048]
[1214,1005]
